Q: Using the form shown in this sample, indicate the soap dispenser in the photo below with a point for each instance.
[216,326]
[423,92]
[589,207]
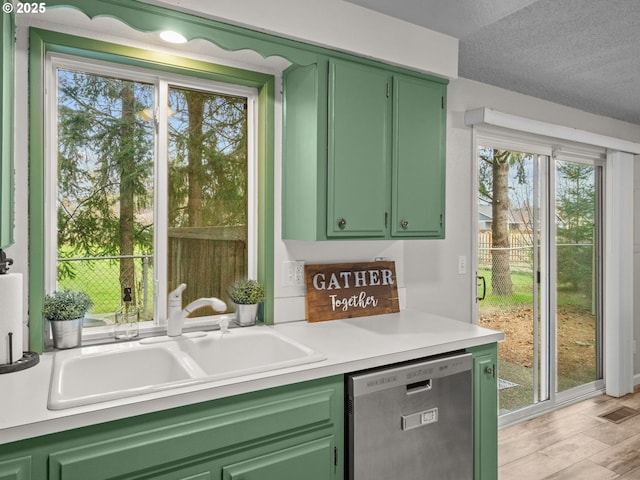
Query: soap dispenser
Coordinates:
[127,318]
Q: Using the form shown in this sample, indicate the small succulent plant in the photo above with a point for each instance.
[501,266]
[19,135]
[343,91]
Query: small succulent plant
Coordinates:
[66,305]
[247,292]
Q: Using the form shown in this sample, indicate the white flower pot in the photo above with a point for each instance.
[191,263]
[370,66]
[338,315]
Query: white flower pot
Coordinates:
[246,314]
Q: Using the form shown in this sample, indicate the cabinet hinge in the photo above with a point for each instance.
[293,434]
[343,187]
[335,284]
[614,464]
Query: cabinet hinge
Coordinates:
[386,219]
[335,456]
[442,102]
[440,220]
[388,90]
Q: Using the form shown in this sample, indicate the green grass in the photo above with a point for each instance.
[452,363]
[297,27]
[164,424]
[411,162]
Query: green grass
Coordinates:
[523,293]
[522,283]
[100,280]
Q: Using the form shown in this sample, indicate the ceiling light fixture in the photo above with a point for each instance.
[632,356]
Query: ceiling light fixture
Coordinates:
[172,37]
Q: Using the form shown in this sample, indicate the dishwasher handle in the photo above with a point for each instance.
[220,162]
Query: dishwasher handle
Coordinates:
[419,387]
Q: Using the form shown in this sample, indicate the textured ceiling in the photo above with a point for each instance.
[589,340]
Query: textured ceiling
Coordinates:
[580,53]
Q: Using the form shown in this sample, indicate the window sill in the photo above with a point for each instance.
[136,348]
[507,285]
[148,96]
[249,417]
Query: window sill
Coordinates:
[105,334]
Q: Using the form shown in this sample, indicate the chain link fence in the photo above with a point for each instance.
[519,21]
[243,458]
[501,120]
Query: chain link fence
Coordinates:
[99,277]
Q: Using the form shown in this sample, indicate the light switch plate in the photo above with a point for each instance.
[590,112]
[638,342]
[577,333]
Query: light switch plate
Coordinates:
[462,264]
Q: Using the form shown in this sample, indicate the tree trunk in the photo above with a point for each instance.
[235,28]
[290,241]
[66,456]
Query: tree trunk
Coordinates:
[127,168]
[500,266]
[195,107]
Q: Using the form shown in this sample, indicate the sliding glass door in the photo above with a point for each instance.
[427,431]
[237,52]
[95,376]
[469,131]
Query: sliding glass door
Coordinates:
[578,273]
[539,272]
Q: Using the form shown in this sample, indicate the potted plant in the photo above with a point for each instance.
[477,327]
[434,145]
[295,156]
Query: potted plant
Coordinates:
[65,311]
[247,294]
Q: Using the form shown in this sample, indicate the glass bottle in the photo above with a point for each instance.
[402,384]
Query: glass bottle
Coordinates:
[127,318]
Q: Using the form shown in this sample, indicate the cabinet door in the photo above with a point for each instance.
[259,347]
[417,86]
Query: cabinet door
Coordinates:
[204,471]
[359,128]
[6,130]
[418,158]
[485,391]
[16,469]
[309,461]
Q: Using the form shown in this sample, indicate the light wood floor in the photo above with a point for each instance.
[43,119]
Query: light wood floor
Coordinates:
[573,443]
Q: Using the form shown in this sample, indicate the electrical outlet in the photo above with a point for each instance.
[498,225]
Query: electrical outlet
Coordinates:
[298,274]
[293,274]
[288,269]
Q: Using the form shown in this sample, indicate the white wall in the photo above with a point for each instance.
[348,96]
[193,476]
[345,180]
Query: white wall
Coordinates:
[338,25]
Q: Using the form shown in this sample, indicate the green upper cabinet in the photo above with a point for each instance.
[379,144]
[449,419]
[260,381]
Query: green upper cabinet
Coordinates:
[359,127]
[418,158]
[6,129]
[363,153]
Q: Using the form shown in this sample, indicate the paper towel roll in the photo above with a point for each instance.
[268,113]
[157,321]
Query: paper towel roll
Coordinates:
[10,316]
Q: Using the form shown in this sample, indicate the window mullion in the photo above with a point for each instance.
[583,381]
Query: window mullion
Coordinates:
[161,202]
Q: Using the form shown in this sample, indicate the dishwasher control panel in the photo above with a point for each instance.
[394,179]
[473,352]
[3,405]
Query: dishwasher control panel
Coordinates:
[408,374]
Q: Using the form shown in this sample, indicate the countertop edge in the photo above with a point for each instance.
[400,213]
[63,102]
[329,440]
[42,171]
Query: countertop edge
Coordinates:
[379,350]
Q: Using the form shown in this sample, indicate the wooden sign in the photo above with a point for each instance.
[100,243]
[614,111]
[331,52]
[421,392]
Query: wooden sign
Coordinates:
[346,290]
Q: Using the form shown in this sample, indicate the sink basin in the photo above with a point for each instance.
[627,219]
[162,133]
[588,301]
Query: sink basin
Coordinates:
[89,375]
[241,352]
[96,374]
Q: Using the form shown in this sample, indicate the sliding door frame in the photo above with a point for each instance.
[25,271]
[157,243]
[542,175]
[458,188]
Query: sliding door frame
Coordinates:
[546,151]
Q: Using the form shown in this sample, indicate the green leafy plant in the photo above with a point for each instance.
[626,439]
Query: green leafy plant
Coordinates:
[247,292]
[66,305]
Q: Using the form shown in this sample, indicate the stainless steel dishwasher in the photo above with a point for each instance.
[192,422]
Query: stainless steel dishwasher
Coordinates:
[412,421]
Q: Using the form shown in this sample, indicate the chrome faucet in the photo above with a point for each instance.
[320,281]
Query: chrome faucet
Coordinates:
[176,317]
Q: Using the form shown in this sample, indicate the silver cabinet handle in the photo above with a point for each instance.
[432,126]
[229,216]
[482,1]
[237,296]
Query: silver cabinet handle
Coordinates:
[404,224]
[342,223]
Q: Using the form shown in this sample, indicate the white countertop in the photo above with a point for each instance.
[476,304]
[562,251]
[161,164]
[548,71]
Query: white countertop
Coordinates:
[349,345]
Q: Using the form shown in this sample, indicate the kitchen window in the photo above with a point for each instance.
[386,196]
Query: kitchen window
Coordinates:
[151,182]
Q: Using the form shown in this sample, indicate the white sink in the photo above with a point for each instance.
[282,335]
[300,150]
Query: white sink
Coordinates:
[106,372]
[89,375]
[241,352]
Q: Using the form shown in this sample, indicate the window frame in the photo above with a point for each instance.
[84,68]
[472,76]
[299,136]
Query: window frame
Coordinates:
[162,82]
[43,42]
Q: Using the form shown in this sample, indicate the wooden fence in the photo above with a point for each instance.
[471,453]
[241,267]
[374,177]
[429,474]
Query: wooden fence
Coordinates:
[521,248]
[207,259]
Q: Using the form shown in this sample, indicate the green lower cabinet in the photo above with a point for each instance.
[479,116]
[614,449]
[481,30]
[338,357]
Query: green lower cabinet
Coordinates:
[485,413]
[196,472]
[256,435]
[16,469]
[286,433]
[311,461]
